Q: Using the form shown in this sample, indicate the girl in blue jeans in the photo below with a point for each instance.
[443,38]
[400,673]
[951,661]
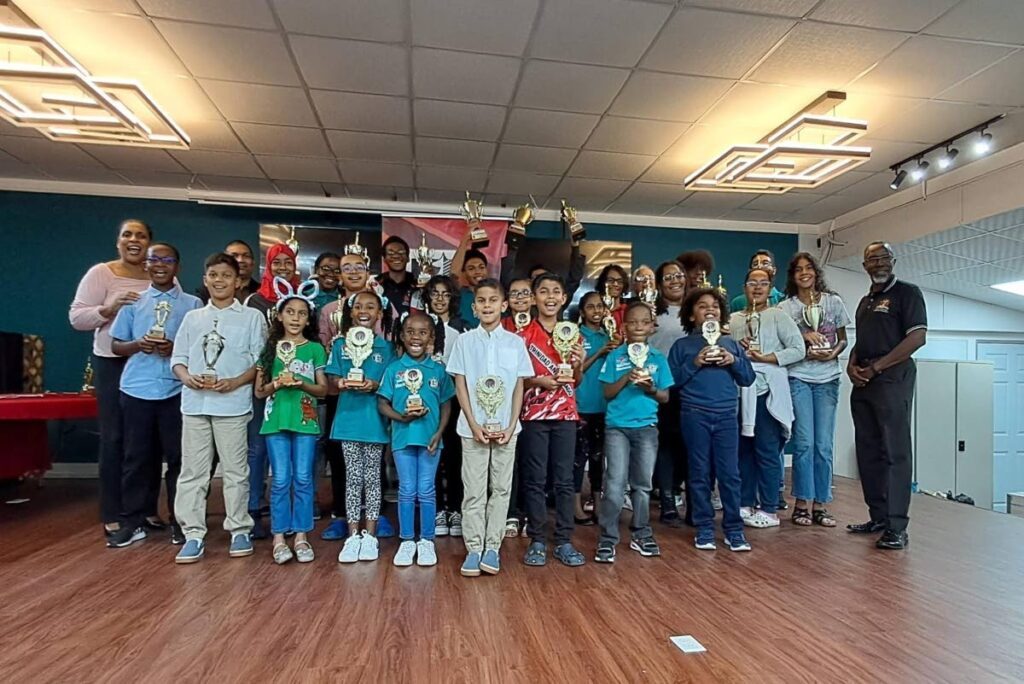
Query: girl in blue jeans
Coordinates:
[415,393]
[814,387]
[290,376]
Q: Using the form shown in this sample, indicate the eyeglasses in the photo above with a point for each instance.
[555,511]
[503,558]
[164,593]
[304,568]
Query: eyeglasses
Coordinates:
[758,283]
[168,260]
[395,253]
[616,281]
[518,294]
[438,294]
[673,277]
[877,260]
[328,270]
[353,268]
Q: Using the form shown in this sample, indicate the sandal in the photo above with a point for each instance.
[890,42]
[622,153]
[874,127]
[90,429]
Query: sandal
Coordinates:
[282,554]
[569,555]
[824,518]
[801,516]
[304,552]
[536,555]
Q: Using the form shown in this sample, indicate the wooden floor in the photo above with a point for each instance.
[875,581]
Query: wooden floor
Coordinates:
[808,605]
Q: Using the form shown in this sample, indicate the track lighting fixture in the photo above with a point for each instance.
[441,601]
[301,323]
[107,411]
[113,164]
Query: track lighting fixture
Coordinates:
[984,143]
[946,160]
[916,166]
[901,176]
[921,171]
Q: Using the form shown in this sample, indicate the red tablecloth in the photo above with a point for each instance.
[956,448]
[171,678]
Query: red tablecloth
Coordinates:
[24,447]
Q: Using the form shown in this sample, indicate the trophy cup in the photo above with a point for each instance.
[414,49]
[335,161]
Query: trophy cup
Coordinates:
[412,378]
[471,211]
[610,326]
[425,257]
[704,282]
[565,337]
[521,319]
[648,295]
[292,243]
[490,394]
[638,352]
[358,345]
[213,346]
[711,331]
[286,353]
[754,331]
[87,378]
[161,312]
[516,233]
[337,315]
[814,315]
[721,288]
[357,249]
[576,230]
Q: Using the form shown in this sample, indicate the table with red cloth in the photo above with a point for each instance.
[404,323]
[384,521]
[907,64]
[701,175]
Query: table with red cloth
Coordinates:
[24,446]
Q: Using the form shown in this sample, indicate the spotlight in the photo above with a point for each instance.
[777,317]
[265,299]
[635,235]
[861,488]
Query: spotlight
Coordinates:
[921,171]
[984,143]
[946,160]
[901,175]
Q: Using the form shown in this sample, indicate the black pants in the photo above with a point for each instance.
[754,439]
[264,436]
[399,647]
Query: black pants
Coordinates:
[547,441]
[881,423]
[516,508]
[152,429]
[107,379]
[672,466]
[332,452]
[448,482]
[589,449]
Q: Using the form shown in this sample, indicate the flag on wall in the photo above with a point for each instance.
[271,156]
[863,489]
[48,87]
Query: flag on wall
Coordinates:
[443,236]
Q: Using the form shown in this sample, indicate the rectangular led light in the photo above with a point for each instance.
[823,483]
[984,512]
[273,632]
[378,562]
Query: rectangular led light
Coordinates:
[1015,287]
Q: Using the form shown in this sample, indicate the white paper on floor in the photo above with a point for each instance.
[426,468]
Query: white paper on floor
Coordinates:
[687,644]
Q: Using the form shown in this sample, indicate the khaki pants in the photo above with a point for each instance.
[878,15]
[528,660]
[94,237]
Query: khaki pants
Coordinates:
[199,434]
[487,479]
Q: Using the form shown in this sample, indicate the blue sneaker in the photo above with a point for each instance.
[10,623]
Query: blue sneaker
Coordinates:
[705,540]
[737,542]
[336,531]
[384,528]
[490,563]
[471,566]
[241,545]
[191,552]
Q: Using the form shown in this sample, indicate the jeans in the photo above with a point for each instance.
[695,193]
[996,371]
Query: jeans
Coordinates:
[761,460]
[257,457]
[589,449]
[107,379]
[416,470]
[629,459]
[516,507]
[814,405]
[670,469]
[547,441]
[292,456]
[149,423]
[712,440]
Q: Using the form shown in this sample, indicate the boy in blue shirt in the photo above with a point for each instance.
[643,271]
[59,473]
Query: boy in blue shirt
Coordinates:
[144,331]
[636,378]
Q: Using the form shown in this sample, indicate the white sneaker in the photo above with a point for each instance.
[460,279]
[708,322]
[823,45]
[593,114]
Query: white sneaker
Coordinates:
[441,524]
[426,555]
[406,553]
[679,501]
[716,501]
[369,548]
[454,525]
[746,512]
[350,550]
[762,520]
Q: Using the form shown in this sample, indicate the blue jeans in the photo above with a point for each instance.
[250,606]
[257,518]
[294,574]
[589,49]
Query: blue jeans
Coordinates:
[712,442]
[814,405]
[761,460]
[416,470]
[257,457]
[291,490]
[629,455]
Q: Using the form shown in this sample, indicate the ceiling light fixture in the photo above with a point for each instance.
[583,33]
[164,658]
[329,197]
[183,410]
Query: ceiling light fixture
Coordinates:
[1015,287]
[981,146]
[783,160]
[984,144]
[921,171]
[901,176]
[946,160]
[43,87]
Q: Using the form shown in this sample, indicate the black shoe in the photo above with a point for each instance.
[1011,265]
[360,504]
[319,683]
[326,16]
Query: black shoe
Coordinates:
[893,540]
[869,527]
[259,530]
[672,520]
[177,536]
[126,536]
[585,520]
[155,523]
[782,504]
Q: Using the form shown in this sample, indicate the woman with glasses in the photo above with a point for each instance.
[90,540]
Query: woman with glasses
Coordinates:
[611,285]
[327,273]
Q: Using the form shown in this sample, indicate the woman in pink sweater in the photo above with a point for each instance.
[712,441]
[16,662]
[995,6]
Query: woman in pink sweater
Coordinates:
[104,289]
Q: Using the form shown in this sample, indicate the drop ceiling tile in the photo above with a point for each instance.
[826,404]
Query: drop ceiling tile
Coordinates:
[241,13]
[642,136]
[785,203]
[700,144]
[82,174]
[518,182]
[944,237]
[1013,233]
[839,184]
[335,64]
[984,275]
[882,14]
[638,208]
[925,66]
[310,188]
[502,202]
[453,197]
[134,159]
[1000,84]
[360,112]
[686,212]
[866,191]
[238,184]
[824,210]
[548,160]
[785,8]
[254,103]
[610,165]
[986,247]
[299,168]
[723,201]
[1000,222]
[501,28]
[692,40]
[376,173]
[451,178]
[930,261]
[219,163]
[183,99]
[651,95]
[554,129]
[286,140]
[569,87]
[592,31]
[999,21]
[931,122]
[445,152]
[458,119]
[744,214]
[381,192]
[667,170]
[213,135]
[759,106]
[230,54]
[159,179]
[380,20]
[885,153]
[383,147]
[42,152]
[653,193]
[447,75]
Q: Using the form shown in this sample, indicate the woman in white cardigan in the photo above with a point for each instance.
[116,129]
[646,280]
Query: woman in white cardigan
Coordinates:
[773,341]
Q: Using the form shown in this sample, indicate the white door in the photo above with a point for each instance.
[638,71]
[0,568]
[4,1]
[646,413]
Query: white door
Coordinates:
[1008,425]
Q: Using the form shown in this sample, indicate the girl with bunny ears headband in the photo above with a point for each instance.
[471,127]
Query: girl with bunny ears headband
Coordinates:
[307,291]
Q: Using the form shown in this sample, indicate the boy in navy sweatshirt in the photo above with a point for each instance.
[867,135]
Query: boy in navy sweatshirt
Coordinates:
[708,377]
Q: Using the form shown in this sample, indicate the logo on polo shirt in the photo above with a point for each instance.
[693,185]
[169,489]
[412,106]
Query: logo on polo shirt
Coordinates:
[882,306]
[434,384]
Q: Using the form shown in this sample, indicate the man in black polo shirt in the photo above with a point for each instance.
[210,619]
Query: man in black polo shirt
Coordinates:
[397,282]
[891,325]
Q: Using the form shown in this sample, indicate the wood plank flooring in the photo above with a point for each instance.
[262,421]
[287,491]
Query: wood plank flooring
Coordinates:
[808,605]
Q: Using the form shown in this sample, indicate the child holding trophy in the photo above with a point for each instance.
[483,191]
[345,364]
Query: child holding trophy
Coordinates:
[356,365]
[414,393]
[290,376]
[707,368]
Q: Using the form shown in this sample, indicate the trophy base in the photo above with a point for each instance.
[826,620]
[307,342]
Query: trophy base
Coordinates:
[355,377]
[492,428]
[413,403]
[577,233]
[156,335]
[564,373]
[754,346]
[479,238]
[821,347]
[714,354]
[422,280]
[515,235]
[642,376]
[209,379]
[285,379]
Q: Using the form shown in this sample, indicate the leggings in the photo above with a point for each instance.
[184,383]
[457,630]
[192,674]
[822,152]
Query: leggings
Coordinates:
[362,475]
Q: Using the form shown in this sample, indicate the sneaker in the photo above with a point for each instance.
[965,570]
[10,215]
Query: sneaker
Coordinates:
[241,545]
[455,525]
[646,547]
[761,520]
[588,505]
[338,529]
[605,553]
[737,542]
[384,528]
[406,553]
[426,554]
[191,552]
[511,528]
[125,536]
[369,549]
[705,540]
[259,530]
[746,512]
[490,562]
[177,535]
[471,566]
[350,549]
[441,524]
[679,501]
[716,501]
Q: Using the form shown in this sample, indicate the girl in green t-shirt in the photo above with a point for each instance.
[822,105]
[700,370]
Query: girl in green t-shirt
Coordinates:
[290,375]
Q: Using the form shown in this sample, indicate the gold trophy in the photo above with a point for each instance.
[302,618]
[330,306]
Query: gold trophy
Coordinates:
[358,346]
[521,218]
[490,394]
[576,230]
[337,315]
[357,249]
[814,315]
[412,378]
[286,354]
[161,312]
[638,353]
[610,326]
[471,211]
[565,337]
[213,347]
[87,378]
[721,288]
[425,257]
[292,243]
[711,331]
[754,331]
[704,282]
[521,319]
